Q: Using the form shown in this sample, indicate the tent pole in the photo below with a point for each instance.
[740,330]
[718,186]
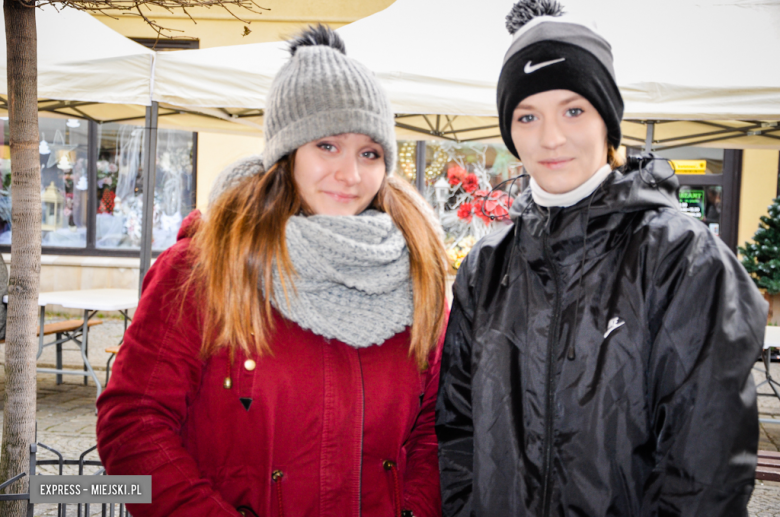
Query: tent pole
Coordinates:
[649,137]
[149,182]
[420,167]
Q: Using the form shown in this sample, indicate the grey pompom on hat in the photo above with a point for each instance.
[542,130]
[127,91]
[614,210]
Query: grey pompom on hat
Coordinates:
[321,92]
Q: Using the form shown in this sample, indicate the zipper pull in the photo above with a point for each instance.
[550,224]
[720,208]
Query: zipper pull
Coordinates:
[570,355]
[505,280]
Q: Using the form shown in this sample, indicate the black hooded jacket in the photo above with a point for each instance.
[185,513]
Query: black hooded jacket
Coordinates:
[597,363]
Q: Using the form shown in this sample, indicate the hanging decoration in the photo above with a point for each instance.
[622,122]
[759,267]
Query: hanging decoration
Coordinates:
[64,163]
[468,206]
[43,147]
[406,157]
[407,161]
[58,149]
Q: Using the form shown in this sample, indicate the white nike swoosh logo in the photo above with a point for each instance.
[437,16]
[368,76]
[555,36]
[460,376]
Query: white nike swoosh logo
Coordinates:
[529,68]
[614,323]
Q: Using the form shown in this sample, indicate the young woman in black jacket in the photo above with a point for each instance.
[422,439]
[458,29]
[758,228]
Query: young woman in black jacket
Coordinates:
[597,360]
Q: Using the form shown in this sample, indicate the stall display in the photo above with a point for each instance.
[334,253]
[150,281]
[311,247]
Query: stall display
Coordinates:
[460,182]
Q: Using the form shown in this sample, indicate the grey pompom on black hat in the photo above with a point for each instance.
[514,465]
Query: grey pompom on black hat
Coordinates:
[322,92]
[526,10]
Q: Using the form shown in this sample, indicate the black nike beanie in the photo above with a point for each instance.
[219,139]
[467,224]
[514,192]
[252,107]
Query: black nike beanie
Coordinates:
[551,52]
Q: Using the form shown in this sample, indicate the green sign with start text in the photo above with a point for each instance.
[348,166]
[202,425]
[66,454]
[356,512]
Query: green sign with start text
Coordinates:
[692,202]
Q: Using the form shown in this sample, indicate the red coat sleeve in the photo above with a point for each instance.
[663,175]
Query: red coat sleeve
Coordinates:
[422,490]
[140,414]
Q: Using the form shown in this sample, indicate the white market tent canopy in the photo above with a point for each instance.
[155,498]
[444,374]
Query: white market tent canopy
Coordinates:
[708,61]
[82,60]
[87,70]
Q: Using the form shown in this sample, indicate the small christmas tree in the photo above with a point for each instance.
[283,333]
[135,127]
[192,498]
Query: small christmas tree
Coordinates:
[761,258]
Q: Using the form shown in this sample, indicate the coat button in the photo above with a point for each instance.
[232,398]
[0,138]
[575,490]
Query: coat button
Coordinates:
[250,365]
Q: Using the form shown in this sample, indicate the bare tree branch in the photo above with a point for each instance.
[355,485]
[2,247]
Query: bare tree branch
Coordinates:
[134,8]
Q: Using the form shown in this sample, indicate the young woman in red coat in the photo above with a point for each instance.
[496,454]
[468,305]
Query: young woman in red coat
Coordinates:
[284,357]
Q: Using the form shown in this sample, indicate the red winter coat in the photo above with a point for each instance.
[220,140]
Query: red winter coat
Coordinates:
[319,428]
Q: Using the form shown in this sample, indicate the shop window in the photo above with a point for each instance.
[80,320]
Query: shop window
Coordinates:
[703,203]
[64,183]
[168,45]
[119,187]
[91,187]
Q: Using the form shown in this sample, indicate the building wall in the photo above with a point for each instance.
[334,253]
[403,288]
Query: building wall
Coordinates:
[215,152]
[215,27]
[759,188]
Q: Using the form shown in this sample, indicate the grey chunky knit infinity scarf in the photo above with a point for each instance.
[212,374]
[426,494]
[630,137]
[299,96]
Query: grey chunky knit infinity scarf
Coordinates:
[353,281]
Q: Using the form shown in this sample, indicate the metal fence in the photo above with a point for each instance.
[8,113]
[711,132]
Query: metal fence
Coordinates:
[81,509]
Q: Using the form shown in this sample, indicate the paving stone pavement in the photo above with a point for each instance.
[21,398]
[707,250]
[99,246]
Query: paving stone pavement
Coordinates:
[66,416]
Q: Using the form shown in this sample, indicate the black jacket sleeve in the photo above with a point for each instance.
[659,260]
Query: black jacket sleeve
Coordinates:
[709,333]
[454,424]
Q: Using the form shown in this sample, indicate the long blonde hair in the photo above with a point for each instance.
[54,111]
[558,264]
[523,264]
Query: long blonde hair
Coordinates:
[235,248]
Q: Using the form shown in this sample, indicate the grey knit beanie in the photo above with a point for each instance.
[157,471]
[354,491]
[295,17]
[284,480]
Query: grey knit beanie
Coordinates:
[321,92]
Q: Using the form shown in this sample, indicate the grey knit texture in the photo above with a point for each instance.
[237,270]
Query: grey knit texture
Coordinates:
[321,92]
[234,173]
[557,29]
[352,278]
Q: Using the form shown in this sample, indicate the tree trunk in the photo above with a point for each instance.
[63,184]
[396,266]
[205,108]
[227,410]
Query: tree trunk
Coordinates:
[20,348]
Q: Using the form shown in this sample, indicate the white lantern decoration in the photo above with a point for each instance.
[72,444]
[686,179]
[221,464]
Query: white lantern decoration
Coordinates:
[441,190]
[64,163]
[52,202]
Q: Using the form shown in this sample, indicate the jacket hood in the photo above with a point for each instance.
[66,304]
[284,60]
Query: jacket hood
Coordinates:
[646,182]
[189,225]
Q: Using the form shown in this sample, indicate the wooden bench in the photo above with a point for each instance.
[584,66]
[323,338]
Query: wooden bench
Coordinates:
[69,328]
[61,327]
[768,466]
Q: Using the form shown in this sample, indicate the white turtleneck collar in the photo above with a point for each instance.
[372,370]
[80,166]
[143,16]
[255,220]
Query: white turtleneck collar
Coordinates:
[572,197]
